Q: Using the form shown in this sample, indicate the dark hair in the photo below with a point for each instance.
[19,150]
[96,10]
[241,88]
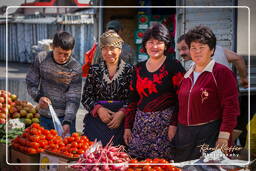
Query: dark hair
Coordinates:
[64,40]
[201,34]
[158,32]
[182,37]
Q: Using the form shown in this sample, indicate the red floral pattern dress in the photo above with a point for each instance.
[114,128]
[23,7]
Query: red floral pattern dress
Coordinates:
[153,105]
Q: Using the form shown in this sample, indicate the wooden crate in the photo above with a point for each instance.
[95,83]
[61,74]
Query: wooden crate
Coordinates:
[3,164]
[21,157]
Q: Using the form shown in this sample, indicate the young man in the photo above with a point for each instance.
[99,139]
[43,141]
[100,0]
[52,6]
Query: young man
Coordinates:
[55,77]
[221,55]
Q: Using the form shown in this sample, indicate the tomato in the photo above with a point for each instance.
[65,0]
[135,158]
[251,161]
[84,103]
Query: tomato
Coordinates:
[147,168]
[133,161]
[32,151]
[43,143]
[65,141]
[77,139]
[49,136]
[53,132]
[25,135]
[74,144]
[42,137]
[80,151]
[40,150]
[76,155]
[35,145]
[35,131]
[57,141]
[130,169]
[73,150]
[46,132]
[61,144]
[75,134]
[34,138]
[35,125]
[71,139]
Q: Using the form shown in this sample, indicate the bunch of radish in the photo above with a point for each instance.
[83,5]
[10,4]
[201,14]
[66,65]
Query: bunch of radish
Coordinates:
[99,158]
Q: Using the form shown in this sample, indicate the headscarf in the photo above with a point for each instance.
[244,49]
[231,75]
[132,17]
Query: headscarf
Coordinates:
[111,38]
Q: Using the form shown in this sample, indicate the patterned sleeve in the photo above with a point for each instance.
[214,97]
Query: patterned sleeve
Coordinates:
[88,96]
[177,77]
[73,97]
[33,79]
[130,110]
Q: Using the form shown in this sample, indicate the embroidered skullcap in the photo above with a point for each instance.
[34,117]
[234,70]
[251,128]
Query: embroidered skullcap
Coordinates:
[111,38]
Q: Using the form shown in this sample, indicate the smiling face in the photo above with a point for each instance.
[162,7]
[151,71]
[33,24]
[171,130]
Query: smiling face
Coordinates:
[110,54]
[155,48]
[200,53]
[60,55]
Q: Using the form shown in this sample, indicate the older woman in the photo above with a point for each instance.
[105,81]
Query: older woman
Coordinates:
[106,91]
[151,113]
[208,99]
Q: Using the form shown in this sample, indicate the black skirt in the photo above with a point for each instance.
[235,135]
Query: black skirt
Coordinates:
[94,128]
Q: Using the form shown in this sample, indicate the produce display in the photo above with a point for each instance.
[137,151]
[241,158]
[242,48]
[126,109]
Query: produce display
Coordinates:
[5,107]
[26,111]
[15,128]
[14,108]
[35,139]
[113,157]
[151,165]
[71,146]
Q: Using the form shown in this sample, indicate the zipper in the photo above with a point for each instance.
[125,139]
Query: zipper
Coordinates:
[190,93]
[189,99]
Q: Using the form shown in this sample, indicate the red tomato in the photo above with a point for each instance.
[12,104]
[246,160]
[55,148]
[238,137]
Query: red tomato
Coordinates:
[35,125]
[43,143]
[35,145]
[75,134]
[46,132]
[73,150]
[80,151]
[65,141]
[34,131]
[74,144]
[53,132]
[49,137]
[71,139]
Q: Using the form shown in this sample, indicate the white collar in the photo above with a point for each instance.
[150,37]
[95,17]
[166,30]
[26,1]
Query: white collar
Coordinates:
[209,68]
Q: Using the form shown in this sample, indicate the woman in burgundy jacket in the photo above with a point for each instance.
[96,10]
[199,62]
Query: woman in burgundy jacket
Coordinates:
[208,100]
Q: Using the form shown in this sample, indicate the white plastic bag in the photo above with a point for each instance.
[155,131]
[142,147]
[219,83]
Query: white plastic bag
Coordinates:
[56,121]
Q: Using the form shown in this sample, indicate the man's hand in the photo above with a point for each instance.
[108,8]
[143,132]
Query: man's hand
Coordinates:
[43,102]
[66,129]
[105,115]
[117,120]
[127,136]
[222,144]
[171,132]
[244,82]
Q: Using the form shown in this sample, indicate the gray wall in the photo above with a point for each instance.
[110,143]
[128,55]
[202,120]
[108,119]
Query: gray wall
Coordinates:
[21,37]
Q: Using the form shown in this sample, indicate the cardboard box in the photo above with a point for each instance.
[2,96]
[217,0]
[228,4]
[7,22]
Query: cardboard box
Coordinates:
[21,157]
[47,157]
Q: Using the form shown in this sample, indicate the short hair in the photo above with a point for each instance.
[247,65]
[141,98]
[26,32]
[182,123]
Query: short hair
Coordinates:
[201,34]
[182,37]
[114,25]
[158,32]
[64,40]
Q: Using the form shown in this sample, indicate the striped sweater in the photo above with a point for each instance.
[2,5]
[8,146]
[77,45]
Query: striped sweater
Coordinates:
[60,83]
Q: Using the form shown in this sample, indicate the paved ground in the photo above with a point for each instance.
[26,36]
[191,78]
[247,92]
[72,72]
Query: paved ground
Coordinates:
[16,79]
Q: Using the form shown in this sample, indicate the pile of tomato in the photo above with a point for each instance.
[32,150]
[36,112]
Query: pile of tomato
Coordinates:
[71,146]
[35,139]
[151,165]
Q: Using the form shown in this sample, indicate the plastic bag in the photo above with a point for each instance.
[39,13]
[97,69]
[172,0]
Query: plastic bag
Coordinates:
[252,133]
[56,121]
